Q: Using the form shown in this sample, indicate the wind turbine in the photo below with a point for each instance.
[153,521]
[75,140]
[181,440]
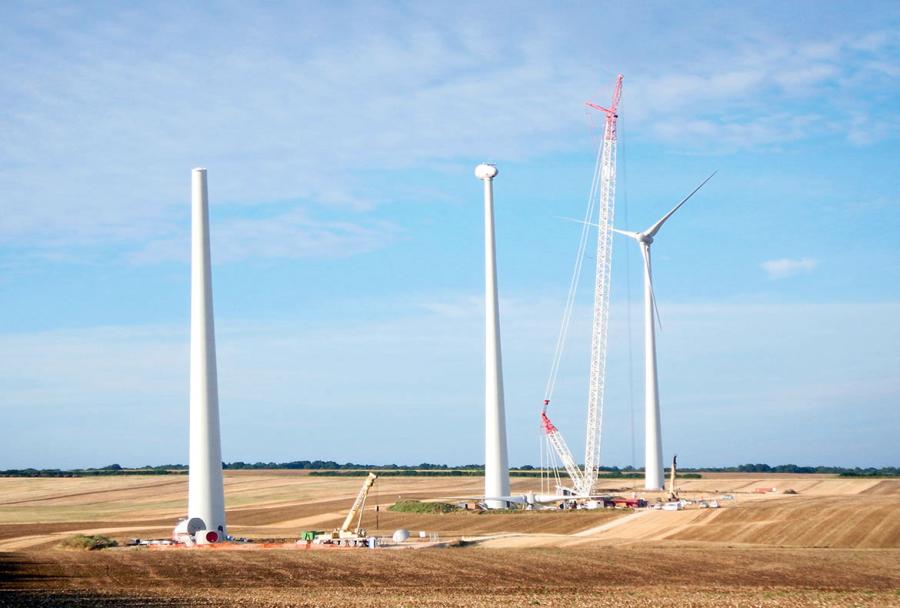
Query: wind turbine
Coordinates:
[653,465]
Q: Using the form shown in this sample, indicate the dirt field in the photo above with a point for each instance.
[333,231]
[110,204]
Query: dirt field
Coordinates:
[835,543]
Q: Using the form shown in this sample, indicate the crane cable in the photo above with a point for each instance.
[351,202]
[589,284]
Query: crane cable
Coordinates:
[628,311]
[573,284]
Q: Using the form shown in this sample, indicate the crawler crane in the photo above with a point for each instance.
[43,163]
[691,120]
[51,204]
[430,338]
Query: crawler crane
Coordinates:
[603,191]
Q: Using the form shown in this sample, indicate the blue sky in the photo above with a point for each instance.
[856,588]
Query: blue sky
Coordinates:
[340,140]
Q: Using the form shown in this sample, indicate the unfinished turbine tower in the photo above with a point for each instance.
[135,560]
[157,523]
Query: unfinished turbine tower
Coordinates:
[206,494]
[496,465]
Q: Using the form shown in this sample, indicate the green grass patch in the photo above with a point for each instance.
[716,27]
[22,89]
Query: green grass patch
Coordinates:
[415,506]
[89,542]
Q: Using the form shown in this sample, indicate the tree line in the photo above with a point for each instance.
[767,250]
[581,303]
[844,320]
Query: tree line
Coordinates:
[426,468]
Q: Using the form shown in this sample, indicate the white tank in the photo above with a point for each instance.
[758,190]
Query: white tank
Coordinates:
[400,535]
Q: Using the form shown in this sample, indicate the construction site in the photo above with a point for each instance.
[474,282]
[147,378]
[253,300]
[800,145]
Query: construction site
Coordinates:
[564,484]
[560,534]
[569,528]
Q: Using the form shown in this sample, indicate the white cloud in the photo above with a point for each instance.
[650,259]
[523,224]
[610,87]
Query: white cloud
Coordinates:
[769,91]
[787,267]
[104,119]
[98,143]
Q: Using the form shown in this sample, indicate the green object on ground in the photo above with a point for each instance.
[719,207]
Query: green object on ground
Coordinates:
[415,506]
[90,542]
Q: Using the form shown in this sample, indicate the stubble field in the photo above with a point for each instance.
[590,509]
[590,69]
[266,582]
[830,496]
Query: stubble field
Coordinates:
[835,543]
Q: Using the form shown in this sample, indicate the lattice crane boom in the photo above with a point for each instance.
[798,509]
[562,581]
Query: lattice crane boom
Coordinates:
[604,187]
[601,295]
[561,448]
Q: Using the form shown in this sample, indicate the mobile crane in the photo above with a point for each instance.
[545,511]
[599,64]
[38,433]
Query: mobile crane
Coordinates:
[355,537]
[673,491]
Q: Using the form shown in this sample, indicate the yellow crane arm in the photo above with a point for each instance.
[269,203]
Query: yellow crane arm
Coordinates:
[359,502]
[673,492]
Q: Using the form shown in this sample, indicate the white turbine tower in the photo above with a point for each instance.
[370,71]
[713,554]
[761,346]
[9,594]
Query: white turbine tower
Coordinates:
[653,464]
[496,465]
[206,496]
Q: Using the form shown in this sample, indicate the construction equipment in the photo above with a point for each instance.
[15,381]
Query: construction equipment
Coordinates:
[673,491]
[603,190]
[345,535]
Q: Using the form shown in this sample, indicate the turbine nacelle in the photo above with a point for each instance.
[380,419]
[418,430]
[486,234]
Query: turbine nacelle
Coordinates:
[640,237]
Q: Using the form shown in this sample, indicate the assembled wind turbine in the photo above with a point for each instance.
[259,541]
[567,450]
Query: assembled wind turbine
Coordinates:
[653,465]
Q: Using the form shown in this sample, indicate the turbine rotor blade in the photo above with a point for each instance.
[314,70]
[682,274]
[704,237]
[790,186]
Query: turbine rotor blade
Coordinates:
[645,251]
[635,235]
[577,221]
[651,232]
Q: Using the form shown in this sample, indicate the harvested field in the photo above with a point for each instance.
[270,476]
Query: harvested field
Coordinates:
[872,522]
[827,512]
[835,543]
[38,513]
[887,487]
[458,577]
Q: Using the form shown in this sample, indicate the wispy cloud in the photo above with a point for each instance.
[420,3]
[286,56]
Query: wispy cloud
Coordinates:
[414,370]
[291,234]
[787,267]
[772,91]
[97,143]
[103,117]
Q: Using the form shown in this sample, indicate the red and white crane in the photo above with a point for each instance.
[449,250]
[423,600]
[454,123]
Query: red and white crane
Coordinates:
[603,189]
